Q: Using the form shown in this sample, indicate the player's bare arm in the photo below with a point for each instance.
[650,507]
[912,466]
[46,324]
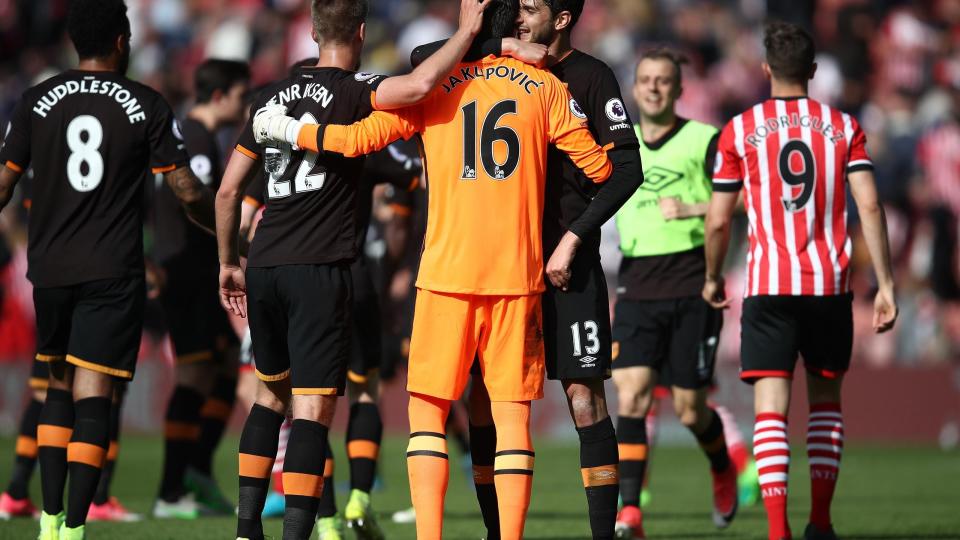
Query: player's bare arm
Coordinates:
[195,198]
[233,290]
[8,181]
[719,216]
[873,222]
[397,92]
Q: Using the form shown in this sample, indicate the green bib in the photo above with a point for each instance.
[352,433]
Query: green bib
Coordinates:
[675,169]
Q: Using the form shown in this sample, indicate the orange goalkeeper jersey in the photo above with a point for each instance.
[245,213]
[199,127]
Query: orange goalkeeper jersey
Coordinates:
[485,134]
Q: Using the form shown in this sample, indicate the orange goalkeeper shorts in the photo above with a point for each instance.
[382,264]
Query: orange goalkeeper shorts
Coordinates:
[505,333]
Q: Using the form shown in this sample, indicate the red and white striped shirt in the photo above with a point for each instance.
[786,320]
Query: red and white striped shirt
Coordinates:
[792,156]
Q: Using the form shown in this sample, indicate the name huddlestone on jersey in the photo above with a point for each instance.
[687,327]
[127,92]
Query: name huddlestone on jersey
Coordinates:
[91,85]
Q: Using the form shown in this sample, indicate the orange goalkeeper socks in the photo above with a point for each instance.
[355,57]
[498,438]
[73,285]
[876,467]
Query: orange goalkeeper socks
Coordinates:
[427,463]
[513,466]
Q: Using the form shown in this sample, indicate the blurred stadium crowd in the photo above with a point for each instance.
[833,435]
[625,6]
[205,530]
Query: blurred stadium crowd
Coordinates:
[894,64]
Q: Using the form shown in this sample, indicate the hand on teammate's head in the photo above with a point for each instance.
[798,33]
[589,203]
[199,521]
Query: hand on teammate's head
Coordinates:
[471,15]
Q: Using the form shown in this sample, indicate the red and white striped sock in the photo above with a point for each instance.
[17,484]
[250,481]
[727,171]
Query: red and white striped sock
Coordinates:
[277,472]
[772,452]
[824,447]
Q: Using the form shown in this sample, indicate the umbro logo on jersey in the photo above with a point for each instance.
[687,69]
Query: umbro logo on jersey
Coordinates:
[656,178]
[588,361]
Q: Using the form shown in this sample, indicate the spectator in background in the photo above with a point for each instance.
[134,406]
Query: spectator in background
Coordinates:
[938,157]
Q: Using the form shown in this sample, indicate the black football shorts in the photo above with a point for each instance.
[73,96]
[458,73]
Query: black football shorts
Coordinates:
[367,349]
[774,329]
[576,325]
[199,326]
[678,337]
[39,375]
[94,325]
[301,324]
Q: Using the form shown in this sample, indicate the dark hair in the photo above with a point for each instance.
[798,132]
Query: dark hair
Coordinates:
[94,26]
[575,7]
[676,58]
[790,51]
[499,20]
[337,21]
[222,75]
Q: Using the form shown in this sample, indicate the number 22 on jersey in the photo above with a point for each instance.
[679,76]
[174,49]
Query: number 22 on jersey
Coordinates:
[304,181]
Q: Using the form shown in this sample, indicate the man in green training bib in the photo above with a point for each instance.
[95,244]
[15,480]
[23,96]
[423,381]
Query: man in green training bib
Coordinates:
[661,324]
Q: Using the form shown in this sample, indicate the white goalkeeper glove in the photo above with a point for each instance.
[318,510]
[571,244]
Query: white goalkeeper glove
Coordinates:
[272,125]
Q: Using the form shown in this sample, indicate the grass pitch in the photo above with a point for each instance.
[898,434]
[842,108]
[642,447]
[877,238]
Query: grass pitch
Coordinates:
[884,493]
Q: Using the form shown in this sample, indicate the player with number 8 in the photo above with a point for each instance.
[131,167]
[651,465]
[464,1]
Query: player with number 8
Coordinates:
[85,249]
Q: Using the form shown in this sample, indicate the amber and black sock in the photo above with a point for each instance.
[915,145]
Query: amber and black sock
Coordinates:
[214,415]
[713,443]
[328,499]
[483,448]
[364,432]
[26,451]
[258,449]
[181,432]
[85,455]
[54,430]
[113,451]
[599,466]
[632,447]
[303,477]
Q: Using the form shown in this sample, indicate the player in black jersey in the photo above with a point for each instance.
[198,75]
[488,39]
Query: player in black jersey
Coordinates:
[576,319]
[95,135]
[204,342]
[300,288]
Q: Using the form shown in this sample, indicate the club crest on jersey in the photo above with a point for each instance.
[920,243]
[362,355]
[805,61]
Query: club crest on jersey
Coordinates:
[202,168]
[616,112]
[364,77]
[576,110]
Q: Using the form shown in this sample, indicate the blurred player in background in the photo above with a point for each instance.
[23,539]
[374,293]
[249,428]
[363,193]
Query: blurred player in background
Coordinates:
[301,294]
[479,279]
[92,136]
[205,343]
[794,157]
[661,322]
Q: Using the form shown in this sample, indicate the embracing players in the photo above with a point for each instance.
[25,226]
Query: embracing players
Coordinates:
[92,137]
[794,157]
[576,320]
[485,134]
